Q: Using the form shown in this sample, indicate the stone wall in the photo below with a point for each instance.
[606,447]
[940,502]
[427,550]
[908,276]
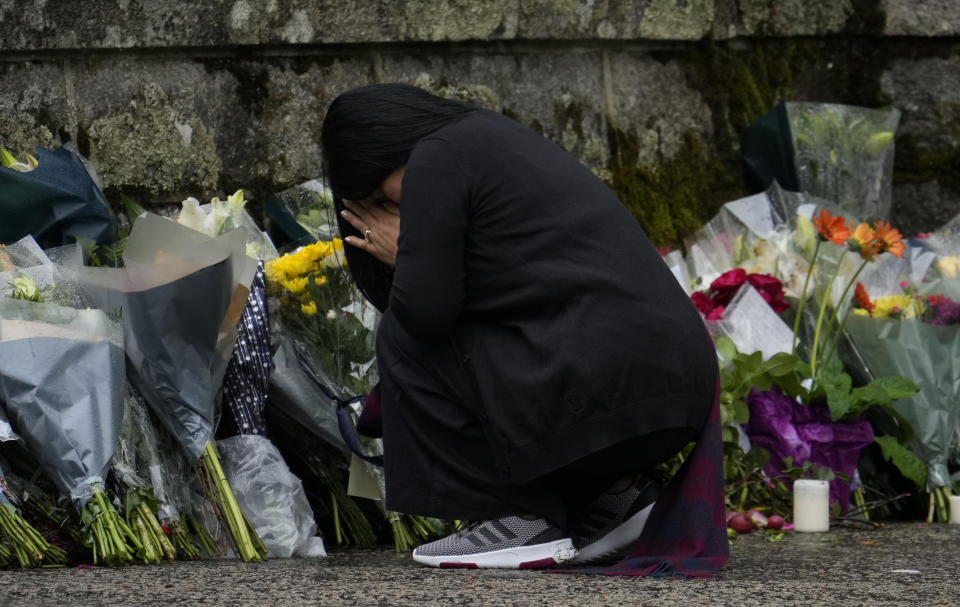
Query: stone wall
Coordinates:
[170,98]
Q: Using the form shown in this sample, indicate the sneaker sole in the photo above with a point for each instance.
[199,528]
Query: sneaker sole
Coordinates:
[538,556]
[619,538]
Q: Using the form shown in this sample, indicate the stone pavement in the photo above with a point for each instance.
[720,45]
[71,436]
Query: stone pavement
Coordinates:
[901,564]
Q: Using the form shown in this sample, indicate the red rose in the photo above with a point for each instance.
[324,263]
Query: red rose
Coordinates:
[703,303]
[730,279]
[771,289]
[726,286]
[715,313]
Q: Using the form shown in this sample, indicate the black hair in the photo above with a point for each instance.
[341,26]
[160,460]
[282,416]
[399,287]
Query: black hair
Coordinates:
[369,132]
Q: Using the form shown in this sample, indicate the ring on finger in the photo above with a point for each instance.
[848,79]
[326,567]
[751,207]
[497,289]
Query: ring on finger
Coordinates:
[366,235]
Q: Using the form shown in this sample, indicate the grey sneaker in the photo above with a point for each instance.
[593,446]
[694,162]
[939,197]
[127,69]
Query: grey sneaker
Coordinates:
[511,542]
[614,521]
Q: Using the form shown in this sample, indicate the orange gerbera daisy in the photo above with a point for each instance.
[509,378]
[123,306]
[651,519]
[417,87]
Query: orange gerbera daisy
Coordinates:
[862,299]
[864,241]
[889,239]
[831,228]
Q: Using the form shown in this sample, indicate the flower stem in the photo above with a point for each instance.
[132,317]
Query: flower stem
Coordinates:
[150,519]
[226,501]
[836,313]
[803,297]
[202,536]
[823,308]
[336,518]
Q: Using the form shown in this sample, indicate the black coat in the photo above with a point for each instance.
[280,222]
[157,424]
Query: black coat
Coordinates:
[577,334]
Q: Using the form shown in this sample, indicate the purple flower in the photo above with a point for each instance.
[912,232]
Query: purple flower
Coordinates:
[787,428]
[946,313]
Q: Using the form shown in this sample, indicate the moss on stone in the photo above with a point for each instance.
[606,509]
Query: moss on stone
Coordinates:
[149,149]
[673,197]
[676,20]
[795,17]
[435,20]
[672,200]
[476,94]
[21,134]
[916,163]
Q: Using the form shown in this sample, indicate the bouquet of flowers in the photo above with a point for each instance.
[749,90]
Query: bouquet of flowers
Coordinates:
[264,485]
[332,326]
[318,301]
[62,385]
[840,153]
[181,295]
[246,379]
[141,504]
[20,540]
[755,234]
[324,324]
[829,431]
[919,336]
[53,198]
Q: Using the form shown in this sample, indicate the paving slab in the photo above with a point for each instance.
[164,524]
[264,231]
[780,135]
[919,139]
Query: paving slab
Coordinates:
[897,564]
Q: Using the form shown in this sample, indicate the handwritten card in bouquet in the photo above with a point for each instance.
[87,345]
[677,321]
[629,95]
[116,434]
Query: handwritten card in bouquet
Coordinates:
[753,325]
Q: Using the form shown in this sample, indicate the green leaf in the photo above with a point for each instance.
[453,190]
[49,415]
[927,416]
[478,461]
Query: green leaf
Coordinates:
[726,347]
[741,413]
[906,462]
[756,458]
[750,363]
[885,390]
[781,364]
[836,384]
[133,208]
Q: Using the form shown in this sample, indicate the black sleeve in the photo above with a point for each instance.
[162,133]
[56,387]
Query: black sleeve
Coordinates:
[428,282]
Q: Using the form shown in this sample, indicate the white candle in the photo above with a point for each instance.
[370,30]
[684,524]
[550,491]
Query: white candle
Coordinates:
[955,509]
[811,506]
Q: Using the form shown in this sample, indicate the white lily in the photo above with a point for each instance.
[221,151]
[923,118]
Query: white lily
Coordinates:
[219,217]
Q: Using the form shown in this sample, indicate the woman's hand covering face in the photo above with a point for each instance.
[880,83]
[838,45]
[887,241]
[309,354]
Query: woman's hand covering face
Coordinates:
[378,220]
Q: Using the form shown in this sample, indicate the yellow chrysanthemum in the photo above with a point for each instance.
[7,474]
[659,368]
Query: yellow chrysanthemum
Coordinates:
[949,266]
[309,309]
[295,285]
[897,306]
[320,280]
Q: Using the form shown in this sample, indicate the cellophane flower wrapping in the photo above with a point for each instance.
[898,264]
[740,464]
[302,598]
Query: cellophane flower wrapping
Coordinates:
[844,154]
[181,294]
[325,332]
[247,376]
[805,433]
[729,237]
[56,202]
[927,354]
[62,383]
[305,213]
[272,497]
[840,153]
[753,233]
